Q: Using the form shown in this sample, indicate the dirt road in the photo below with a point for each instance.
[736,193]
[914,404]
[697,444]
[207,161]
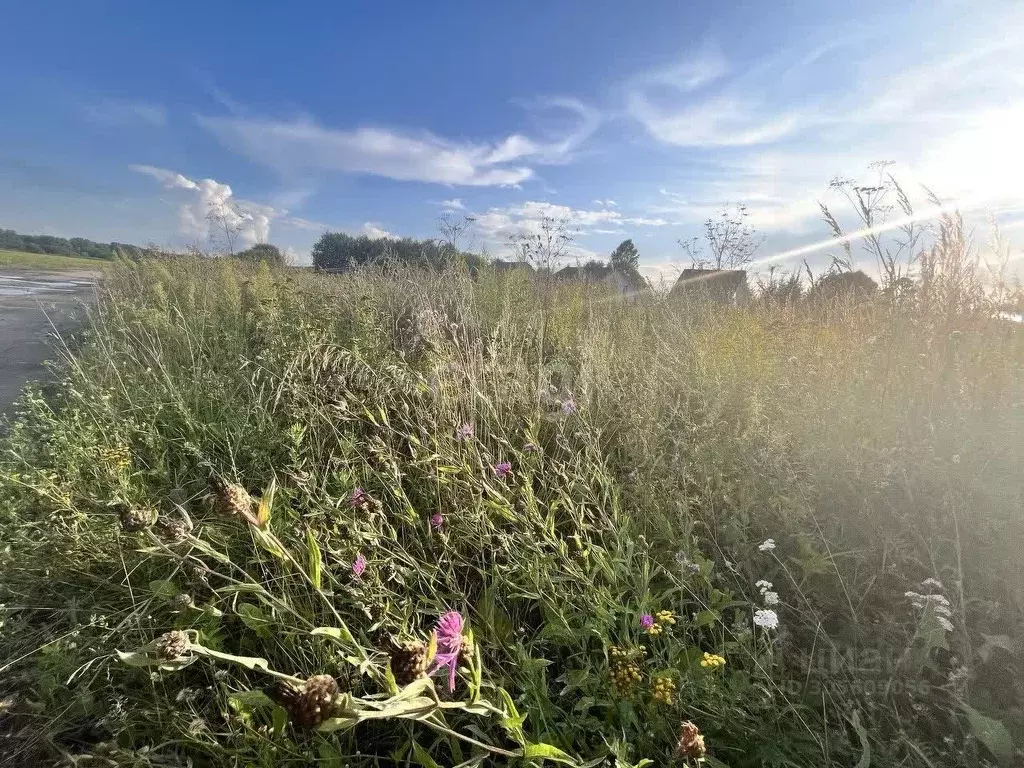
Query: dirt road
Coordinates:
[32,305]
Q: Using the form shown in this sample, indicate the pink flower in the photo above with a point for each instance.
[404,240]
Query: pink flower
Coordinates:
[359,498]
[647,621]
[449,645]
[437,521]
[465,431]
[359,565]
[503,469]
[569,407]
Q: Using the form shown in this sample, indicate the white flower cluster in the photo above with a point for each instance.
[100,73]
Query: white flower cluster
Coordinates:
[766,617]
[768,545]
[936,600]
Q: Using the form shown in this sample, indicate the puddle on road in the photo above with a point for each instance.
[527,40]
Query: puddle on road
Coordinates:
[13,285]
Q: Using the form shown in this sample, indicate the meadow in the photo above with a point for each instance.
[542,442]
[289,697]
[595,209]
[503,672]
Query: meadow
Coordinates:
[407,517]
[24,260]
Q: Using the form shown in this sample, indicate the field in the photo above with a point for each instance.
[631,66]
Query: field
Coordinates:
[615,532]
[22,260]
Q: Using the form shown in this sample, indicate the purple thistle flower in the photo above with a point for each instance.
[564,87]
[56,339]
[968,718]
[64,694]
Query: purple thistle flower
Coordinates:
[359,565]
[503,469]
[358,498]
[647,621]
[569,407]
[465,431]
[437,521]
[449,645]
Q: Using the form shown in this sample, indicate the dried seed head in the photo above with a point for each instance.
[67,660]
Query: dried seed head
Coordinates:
[315,701]
[691,743]
[231,500]
[172,645]
[408,661]
[183,602]
[135,519]
[174,530]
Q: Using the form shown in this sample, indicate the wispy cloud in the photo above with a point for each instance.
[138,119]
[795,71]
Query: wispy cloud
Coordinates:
[117,112]
[302,144]
[454,204]
[376,232]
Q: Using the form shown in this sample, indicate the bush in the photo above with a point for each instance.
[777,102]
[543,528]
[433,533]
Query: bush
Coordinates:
[247,481]
[263,252]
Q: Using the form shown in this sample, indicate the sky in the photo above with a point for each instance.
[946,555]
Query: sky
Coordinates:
[133,122]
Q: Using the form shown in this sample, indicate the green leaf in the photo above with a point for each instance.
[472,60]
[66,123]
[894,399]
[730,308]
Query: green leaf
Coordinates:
[315,558]
[992,733]
[336,633]
[421,756]
[246,701]
[547,752]
[143,659]
[249,662]
[704,618]
[266,505]
[267,541]
[163,588]
[862,736]
[254,618]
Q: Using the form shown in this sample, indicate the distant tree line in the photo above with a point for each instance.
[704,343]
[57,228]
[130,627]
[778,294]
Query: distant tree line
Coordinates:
[337,252]
[61,246]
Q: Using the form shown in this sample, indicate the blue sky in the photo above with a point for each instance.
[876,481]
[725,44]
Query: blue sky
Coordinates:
[132,121]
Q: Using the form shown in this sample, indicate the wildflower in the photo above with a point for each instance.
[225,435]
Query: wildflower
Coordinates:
[531,447]
[692,568]
[437,521]
[691,742]
[624,670]
[763,585]
[503,469]
[569,407]
[663,689]
[930,582]
[666,617]
[768,545]
[945,623]
[359,565]
[450,644]
[647,621]
[712,661]
[956,458]
[183,602]
[770,598]
[465,431]
[766,618]
[359,498]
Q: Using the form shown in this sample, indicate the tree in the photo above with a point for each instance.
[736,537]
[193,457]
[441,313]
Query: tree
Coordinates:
[545,247]
[856,286]
[625,258]
[263,252]
[730,242]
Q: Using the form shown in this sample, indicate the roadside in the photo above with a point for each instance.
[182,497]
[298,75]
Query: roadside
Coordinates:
[33,304]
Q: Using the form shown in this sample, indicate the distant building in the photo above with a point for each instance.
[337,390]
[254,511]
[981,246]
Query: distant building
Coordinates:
[500,265]
[598,272]
[725,286]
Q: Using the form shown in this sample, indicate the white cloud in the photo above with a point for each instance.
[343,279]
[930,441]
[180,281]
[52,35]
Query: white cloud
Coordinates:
[376,232]
[302,144]
[454,204]
[117,112]
[212,207]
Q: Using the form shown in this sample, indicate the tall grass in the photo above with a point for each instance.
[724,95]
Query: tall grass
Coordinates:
[654,448]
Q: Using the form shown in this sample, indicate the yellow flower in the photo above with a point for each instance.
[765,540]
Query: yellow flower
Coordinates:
[655,629]
[663,689]
[666,617]
[712,661]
